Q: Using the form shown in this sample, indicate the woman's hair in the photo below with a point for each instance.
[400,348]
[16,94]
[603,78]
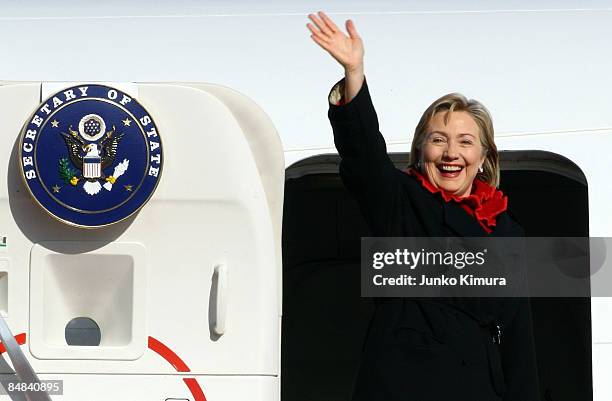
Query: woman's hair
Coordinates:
[458,102]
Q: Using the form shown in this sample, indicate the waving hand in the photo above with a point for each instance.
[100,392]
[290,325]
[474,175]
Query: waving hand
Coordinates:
[346,49]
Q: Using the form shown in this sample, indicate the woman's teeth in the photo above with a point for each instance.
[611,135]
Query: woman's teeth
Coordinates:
[450,171]
[450,168]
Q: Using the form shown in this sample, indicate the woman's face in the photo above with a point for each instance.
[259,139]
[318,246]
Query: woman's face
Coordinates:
[452,152]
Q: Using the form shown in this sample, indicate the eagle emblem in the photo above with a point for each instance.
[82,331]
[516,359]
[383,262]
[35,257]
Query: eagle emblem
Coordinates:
[92,151]
[90,155]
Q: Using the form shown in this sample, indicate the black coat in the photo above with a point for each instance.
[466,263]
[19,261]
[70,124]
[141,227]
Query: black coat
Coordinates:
[429,349]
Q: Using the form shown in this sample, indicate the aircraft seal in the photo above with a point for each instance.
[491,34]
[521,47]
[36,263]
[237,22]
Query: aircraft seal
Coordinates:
[90,155]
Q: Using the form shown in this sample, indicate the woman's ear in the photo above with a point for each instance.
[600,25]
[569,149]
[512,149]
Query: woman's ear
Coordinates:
[481,164]
[484,157]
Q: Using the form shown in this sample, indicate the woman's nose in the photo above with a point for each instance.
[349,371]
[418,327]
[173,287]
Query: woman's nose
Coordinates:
[451,150]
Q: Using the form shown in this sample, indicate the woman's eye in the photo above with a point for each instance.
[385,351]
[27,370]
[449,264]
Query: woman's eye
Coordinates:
[437,140]
[466,142]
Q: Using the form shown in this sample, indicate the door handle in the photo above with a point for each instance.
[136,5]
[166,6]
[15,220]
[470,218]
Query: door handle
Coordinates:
[220,278]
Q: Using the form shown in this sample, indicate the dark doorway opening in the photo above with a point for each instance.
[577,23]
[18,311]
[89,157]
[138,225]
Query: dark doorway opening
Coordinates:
[325,319]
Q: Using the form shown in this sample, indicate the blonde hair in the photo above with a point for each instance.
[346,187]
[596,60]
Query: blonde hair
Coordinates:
[480,114]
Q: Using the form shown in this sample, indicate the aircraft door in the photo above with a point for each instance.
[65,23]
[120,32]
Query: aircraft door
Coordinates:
[175,298]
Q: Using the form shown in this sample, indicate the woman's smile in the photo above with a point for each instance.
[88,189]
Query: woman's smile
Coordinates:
[449,170]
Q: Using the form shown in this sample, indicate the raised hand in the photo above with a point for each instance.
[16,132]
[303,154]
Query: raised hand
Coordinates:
[347,50]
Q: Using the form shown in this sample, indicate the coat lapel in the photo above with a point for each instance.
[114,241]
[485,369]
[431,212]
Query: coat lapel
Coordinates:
[461,222]
[506,227]
[464,225]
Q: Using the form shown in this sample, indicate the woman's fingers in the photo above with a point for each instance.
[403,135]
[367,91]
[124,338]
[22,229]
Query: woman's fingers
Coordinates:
[317,33]
[320,42]
[320,24]
[346,49]
[328,21]
[352,31]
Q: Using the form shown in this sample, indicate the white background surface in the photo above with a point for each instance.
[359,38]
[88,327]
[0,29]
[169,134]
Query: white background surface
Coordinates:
[516,57]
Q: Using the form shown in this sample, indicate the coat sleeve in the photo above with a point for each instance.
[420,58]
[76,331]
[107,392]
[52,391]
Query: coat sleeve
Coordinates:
[365,167]
[519,356]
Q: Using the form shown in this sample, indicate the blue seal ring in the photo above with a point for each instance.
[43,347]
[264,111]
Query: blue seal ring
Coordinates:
[90,155]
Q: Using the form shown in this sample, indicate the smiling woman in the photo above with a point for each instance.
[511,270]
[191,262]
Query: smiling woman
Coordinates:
[429,349]
[453,144]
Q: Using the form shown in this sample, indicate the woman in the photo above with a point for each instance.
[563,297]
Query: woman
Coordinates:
[430,349]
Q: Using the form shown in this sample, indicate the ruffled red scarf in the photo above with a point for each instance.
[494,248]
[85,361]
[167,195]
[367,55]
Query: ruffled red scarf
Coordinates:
[484,203]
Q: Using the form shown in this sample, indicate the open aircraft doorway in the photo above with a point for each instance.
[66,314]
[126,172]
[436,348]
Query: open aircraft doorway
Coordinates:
[325,319]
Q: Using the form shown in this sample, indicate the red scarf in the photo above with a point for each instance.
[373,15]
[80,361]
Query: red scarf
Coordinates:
[484,203]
